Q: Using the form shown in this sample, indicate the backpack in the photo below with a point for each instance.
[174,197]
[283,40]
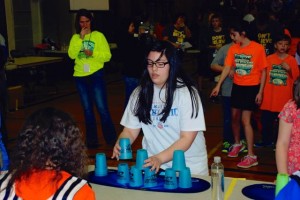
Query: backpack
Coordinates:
[4,161]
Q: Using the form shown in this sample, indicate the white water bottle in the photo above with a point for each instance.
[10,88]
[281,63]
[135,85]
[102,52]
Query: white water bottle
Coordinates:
[217,179]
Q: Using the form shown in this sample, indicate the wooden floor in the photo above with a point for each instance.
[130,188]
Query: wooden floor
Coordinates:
[68,101]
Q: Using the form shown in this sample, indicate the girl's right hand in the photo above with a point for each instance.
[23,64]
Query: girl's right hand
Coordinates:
[116,151]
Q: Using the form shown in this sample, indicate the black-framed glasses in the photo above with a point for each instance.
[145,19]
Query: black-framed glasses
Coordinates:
[158,64]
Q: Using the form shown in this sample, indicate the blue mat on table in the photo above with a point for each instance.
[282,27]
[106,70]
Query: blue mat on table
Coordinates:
[198,185]
[260,191]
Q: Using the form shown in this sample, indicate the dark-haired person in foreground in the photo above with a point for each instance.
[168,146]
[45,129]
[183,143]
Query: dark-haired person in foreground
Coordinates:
[168,109]
[47,160]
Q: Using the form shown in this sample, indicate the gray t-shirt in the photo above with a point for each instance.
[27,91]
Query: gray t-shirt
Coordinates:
[219,59]
[2,41]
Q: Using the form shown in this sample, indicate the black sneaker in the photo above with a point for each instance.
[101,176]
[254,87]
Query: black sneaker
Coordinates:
[226,146]
[263,144]
[244,142]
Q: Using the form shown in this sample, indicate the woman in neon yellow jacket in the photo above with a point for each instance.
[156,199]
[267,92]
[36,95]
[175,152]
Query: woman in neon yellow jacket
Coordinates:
[90,50]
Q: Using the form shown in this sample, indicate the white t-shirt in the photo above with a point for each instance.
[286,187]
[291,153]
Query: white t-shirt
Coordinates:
[158,136]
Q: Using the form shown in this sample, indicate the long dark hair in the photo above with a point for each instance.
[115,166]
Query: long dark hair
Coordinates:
[296,95]
[177,79]
[87,14]
[48,136]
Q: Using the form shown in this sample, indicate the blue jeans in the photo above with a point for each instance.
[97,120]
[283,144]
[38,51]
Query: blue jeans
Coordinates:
[269,122]
[92,90]
[130,85]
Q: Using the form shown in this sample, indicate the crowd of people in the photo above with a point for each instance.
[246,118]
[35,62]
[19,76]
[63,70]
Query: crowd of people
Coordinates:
[251,57]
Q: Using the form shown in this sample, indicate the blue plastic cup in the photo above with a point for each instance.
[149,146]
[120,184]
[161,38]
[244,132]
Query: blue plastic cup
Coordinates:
[125,152]
[185,179]
[150,178]
[170,179]
[100,165]
[178,160]
[141,156]
[136,177]
[123,173]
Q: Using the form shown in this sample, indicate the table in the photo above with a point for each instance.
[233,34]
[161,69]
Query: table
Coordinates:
[24,74]
[64,50]
[31,61]
[190,61]
[233,188]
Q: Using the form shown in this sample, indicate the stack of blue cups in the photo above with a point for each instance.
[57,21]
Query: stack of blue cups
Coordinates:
[100,165]
[125,152]
[123,173]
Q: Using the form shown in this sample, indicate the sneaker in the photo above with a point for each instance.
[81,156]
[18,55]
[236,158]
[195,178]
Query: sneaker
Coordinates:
[248,161]
[263,144]
[226,146]
[245,150]
[235,150]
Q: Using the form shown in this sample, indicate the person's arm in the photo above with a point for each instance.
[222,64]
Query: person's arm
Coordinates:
[259,96]
[216,67]
[183,143]
[187,32]
[166,38]
[224,74]
[102,49]
[126,133]
[75,46]
[282,145]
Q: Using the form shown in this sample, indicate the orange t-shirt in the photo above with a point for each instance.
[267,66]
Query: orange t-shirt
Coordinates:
[40,186]
[279,83]
[248,63]
[293,46]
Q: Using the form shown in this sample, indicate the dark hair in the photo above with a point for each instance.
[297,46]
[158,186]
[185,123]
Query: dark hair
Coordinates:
[215,16]
[282,37]
[296,93]
[87,14]
[124,25]
[241,26]
[177,79]
[179,15]
[48,136]
[262,18]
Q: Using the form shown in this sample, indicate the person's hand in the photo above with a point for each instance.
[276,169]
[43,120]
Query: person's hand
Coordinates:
[215,91]
[83,32]
[177,45]
[285,66]
[231,74]
[88,52]
[116,151]
[154,162]
[258,98]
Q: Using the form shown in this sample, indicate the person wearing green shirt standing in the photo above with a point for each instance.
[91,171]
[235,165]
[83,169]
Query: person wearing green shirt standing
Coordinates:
[90,50]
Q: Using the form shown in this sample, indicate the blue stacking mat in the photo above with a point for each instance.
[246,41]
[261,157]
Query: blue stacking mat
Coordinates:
[260,191]
[198,185]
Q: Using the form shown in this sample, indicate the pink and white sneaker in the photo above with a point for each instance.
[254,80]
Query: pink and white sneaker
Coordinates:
[235,150]
[248,161]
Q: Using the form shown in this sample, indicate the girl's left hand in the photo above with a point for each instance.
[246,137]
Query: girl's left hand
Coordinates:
[258,98]
[153,162]
[88,52]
